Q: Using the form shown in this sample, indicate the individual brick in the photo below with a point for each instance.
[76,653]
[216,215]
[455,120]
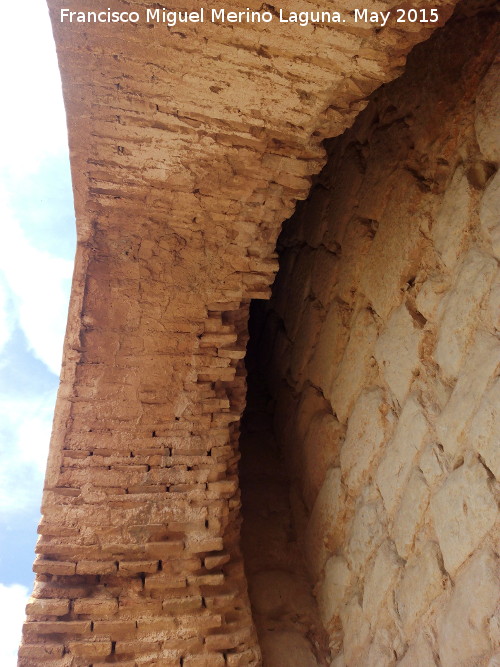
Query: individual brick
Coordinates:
[115,629]
[204,660]
[41,651]
[95,567]
[90,649]
[96,607]
[56,628]
[42,566]
[47,607]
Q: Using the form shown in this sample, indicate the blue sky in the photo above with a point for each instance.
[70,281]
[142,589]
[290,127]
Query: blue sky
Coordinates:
[36,262]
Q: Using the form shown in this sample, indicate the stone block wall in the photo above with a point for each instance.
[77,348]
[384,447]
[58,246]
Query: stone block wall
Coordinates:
[382,341]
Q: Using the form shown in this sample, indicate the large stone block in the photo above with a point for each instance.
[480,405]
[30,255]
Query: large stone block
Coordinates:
[422,582]
[381,652]
[356,364]
[396,250]
[432,464]
[459,311]
[325,276]
[453,220]
[464,511]
[419,654]
[368,429]
[355,244]
[330,346]
[381,580]
[366,531]
[454,421]
[430,294]
[401,453]
[397,351]
[356,631]
[463,627]
[485,429]
[410,513]
[488,115]
[325,525]
[322,445]
[305,340]
[333,589]
[489,213]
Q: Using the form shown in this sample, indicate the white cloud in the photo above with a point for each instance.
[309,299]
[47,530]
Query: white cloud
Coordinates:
[32,118]
[32,127]
[26,427]
[39,284]
[6,320]
[13,600]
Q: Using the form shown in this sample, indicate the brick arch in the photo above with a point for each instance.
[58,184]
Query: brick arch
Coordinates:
[187,151]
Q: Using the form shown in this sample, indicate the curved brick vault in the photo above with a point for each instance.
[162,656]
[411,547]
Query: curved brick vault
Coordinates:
[189,147]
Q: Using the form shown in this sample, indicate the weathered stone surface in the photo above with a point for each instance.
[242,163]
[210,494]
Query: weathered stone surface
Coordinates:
[419,653]
[366,531]
[432,464]
[381,580]
[463,627]
[401,453]
[422,582]
[459,311]
[356,631]
[381,652]
[453,423]
[331,344]
[429,296]
[397,351]
[485,429]
[489,213]
[454,219]
[333,588]
[414,502]
[324,527]
[368,429]
[322,445]
[488,115]
[355,365]
[464,511]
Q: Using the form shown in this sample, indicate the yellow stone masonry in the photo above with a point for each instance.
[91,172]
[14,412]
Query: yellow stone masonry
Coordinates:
[190,145]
